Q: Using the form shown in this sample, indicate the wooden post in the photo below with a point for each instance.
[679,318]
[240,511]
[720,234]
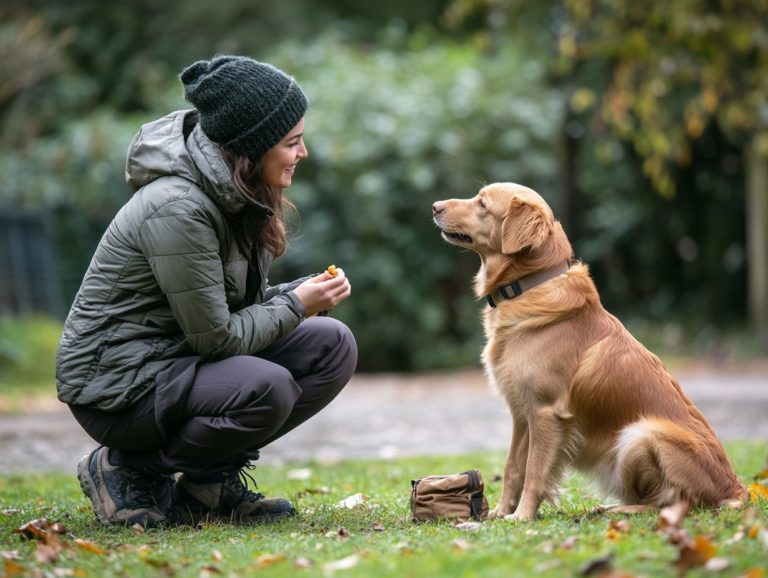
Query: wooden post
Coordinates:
[757,240]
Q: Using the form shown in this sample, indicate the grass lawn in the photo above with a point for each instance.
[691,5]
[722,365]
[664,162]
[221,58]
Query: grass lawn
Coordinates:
[376,538]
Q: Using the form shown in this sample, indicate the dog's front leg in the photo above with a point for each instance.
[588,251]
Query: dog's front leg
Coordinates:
[514,471]
[546,461]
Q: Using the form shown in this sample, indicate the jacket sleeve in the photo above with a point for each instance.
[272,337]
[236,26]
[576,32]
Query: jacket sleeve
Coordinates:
[182,248]
[275,290]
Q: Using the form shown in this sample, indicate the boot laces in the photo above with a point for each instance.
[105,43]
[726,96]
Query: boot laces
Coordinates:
[238,484]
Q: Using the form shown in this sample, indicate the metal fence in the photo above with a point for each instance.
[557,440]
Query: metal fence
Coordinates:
[29,280]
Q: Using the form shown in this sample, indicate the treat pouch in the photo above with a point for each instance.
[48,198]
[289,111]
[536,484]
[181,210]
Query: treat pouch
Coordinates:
[449,496]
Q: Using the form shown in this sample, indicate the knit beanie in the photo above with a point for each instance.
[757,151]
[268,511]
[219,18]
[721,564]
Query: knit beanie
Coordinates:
[245,106]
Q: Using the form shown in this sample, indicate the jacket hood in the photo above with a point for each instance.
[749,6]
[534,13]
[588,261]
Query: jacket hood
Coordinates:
[175,145]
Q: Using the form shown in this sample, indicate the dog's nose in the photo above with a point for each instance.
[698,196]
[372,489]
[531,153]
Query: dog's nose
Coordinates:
[437,208]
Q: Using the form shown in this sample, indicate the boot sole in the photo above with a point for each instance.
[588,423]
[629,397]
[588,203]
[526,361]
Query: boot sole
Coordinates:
[88,486]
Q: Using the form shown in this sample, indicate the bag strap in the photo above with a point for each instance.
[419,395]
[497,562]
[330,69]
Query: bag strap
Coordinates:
[476,501]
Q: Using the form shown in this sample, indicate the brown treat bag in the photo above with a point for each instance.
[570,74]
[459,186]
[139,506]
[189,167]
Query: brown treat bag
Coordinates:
[457,496]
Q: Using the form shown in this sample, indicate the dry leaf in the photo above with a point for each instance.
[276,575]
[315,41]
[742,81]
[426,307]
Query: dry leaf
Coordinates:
[694,553]
[753,573]
[302,562]
[89,546]
[10,555]
[33,530]
[11,568]
[209,569]
[138,529]
[352,501]
[468,526]
[758,491]
[717,564]
[299,474]
[377,527]
[597,566]
[45,554]
[266,560]
[404,548]
[343,564]
[672,516]
[569,543]
[763,475]
[460,544]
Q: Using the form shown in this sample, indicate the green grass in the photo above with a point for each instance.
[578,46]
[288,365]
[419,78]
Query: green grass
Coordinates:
[379,532]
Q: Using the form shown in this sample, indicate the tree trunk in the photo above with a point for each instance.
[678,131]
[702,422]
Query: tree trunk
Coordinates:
[757,240]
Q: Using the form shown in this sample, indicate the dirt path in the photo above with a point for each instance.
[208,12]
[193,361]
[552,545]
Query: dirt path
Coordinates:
[394,415]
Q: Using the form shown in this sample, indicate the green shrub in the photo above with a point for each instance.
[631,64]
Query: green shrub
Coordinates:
[28,351]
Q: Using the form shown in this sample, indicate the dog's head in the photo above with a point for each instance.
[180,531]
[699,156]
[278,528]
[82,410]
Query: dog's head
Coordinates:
[507,224]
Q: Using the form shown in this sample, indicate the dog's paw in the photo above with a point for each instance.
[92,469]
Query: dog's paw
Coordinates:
[497,513]
[519,517]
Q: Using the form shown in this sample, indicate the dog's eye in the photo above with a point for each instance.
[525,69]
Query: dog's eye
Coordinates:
[481,202]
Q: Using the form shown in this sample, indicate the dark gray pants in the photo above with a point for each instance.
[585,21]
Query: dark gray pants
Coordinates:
[230,409]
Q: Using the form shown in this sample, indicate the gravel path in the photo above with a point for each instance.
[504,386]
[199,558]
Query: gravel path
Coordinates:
[386,416]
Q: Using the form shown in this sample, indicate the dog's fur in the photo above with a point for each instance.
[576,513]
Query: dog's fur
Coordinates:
[581,390]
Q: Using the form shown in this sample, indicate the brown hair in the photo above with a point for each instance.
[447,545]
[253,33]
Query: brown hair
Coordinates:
[248,179]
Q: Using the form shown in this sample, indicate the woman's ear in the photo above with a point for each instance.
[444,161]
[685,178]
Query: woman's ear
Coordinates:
[523,226]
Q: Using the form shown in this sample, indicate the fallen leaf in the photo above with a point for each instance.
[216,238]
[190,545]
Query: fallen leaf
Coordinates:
[138,529]
[46,554]
[209,569]
[672,516]
[89,546]
[569,543]
[352,501]
[758,491]
[717,564]
[460,544]
[266,560]
[33,530]
[9,512]
[302,562]
[762,475]
[377,527]
[623,526]
[597,566]
[10,555]
[11,568]
[468,526]
[694,553]
[753,573]
[343,564]
[404,548]
[299,474]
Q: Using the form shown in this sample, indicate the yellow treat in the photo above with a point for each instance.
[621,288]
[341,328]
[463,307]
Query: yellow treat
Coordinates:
[332,270]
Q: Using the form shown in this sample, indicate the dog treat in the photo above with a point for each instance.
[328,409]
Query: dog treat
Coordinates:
[332,270]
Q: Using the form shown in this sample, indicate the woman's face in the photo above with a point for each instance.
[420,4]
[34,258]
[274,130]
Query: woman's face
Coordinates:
[280,161]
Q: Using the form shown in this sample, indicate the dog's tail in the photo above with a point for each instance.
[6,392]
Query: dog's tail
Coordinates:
[660,463]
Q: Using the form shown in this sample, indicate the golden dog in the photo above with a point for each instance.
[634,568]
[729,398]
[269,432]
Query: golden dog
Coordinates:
[581,390]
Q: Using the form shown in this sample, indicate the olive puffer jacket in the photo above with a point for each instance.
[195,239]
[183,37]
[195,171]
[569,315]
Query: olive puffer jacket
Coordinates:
[170,277]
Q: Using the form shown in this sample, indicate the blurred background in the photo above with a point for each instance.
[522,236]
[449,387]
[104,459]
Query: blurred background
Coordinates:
[643,123]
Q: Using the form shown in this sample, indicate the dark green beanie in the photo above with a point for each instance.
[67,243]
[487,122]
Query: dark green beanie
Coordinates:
[245,106]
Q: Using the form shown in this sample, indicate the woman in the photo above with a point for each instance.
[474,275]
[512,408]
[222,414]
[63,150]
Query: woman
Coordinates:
[176,355]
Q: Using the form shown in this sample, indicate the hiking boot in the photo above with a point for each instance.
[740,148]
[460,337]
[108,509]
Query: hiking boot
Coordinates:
[121,495]
[226,499]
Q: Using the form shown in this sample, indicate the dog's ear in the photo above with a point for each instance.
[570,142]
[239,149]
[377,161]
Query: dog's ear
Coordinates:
[524,226]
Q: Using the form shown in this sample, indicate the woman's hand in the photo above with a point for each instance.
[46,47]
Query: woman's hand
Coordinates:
[323,292]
